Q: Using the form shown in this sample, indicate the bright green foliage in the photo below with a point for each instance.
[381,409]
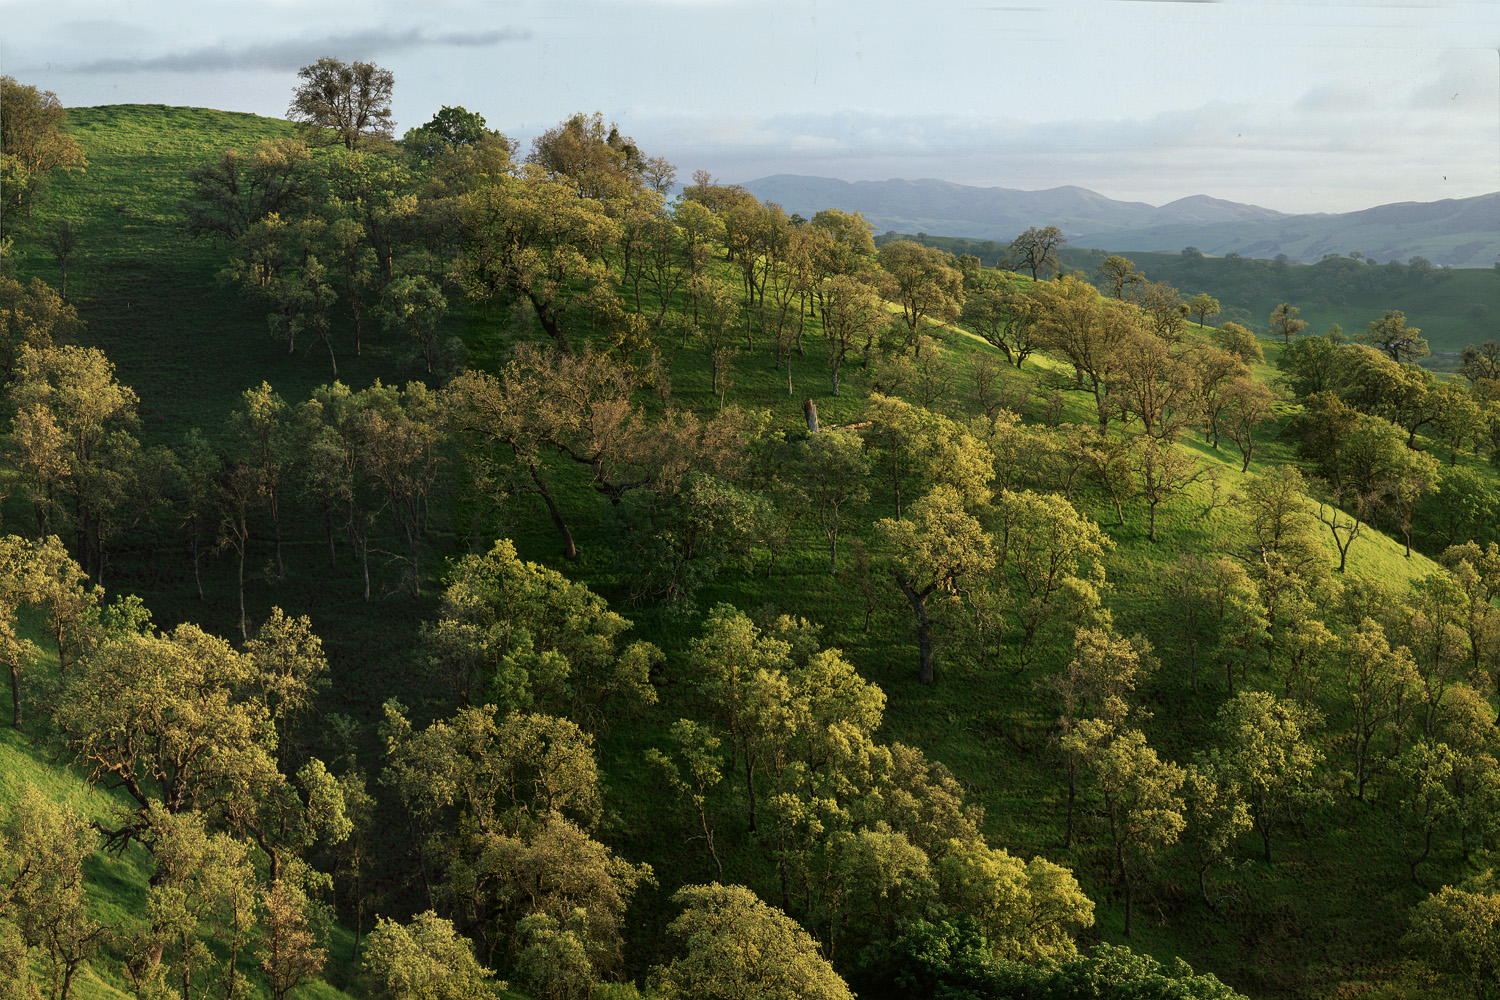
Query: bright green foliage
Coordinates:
[203,892]
[423,960]
[597,162]
[508,772]
[684,538]
[1118,273]
[42,910]
[852,316]
[909,445]
[536,238]
[1311,365]
[1457,930]
[1279,517]
[526,636]
[1469,731]
[33,315]
[413,305]
[74,428]
[799,716]
[726,660]
[950,960]
[691,770]
[1285,324]
[34,145]
[1391,334]
[1104,671]
[937,545]
[1029,911]
[1048,556]
[379,193]
[1269,758]
[234,192]
[1097,682]
[1459,507]
[1215,814]
[1219,605]
[1459,417]
[1085,332]
[183,724]
[882,882]
[1379,681]
[1240,342]
[501,798]
[555,957]
[924,281]
[291,954]
[165,718]
[830,478]
[738,948]
[1419,786]
[21,583]
[1006,317]
[1142,805]
[451,128]
[1203,305]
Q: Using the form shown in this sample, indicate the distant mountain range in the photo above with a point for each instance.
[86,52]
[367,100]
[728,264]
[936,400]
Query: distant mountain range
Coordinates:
[1458,233]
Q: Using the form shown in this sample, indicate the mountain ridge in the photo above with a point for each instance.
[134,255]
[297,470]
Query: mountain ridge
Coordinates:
[1454,232]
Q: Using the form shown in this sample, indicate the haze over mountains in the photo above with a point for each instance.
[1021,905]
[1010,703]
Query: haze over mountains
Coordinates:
[1456,233]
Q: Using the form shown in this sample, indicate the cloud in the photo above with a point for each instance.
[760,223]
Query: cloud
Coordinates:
[296,53]
[1285,158]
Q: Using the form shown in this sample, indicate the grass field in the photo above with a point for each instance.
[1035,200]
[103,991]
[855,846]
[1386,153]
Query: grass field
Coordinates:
[1451,306]
[1329,909]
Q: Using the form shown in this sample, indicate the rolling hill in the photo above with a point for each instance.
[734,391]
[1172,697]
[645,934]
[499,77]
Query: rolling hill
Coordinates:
[1453,233]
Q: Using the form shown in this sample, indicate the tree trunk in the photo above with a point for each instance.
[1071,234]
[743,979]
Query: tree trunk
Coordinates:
[197,562]
[15,694]
[570,550]
[918,602]
[244,631]
[333,559]
[750,787]
[1072,797]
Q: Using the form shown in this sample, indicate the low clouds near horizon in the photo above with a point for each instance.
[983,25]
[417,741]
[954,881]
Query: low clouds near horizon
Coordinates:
[1296,105]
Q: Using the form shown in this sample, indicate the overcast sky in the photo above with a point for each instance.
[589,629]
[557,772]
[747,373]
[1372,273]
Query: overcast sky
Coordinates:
[1296,105]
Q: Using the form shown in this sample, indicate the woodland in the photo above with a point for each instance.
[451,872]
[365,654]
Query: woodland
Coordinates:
[437,569]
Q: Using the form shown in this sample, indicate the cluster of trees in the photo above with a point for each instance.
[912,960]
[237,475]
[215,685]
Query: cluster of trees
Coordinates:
[33,146]
[1362,413]
[968,505]
[188,733]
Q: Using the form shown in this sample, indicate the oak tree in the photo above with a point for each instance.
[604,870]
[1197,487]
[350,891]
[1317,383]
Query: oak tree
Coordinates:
[1285,324]
[33,143]
[1036,249]
[351,102]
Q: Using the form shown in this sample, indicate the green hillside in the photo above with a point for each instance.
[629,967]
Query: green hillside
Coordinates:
[1325,919]
[1452,307]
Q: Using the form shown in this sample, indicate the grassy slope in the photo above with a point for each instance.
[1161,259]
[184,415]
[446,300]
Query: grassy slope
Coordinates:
[1452,307]
[1330,905]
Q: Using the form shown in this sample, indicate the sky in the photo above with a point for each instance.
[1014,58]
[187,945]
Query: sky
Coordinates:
[1294,105]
